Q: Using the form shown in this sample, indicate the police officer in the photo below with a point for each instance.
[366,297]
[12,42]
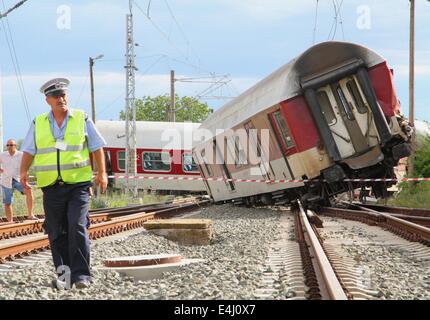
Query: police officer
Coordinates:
[59,143]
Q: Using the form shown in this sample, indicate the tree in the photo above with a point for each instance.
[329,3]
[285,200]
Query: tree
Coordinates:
[188,109]
[422,160]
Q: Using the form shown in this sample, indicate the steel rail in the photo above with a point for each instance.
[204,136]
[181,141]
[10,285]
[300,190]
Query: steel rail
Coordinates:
[24,247]
[331,282]
[418,216]
[415,212]
[12,230]
[407,229]
[136,208]
[423,221]
[406,225]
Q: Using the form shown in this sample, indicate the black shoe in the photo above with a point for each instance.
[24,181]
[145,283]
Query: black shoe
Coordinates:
[82,284]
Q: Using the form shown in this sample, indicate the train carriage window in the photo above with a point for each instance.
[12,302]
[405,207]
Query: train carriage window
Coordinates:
[188,164]
[156,161]
[356,96]
[347,107]
[326,108]
[121,160]
[283,129]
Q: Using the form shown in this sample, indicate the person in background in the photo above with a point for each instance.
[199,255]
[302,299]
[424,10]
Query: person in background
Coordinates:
[10,162]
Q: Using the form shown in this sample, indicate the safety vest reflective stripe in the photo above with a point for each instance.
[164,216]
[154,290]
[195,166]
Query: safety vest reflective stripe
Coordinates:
[69,148]
[62,166]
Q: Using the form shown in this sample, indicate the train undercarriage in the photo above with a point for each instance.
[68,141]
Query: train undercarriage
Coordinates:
[335,180]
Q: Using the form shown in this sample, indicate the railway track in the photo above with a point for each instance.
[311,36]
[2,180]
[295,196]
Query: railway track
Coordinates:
[400,226]
[329,250]
[337,254]
[418,216]
[27,237]
[22,219]
[321,278]
[27,227]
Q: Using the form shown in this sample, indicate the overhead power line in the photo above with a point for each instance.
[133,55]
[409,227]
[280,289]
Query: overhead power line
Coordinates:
[14,58]
[337,20]
[160,30]
[214,83]
[3,15]
[340,18]
[316,22]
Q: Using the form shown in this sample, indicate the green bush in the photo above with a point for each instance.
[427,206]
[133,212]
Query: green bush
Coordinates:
[422,160]
[417,196]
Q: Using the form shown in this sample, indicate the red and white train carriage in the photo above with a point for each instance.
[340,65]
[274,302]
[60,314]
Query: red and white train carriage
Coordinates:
[163,150]
[331,114]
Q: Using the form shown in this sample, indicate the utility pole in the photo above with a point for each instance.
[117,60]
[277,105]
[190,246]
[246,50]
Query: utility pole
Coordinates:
[411,86]
[172,113]
[1,117]
[93,103]
[1,131]
[130,109]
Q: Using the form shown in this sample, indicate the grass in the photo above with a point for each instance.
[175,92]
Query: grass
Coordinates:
[111,199]
[118,198]
[416,197]
[19,206]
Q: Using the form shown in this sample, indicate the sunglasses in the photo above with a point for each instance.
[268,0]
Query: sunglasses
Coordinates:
[10,145]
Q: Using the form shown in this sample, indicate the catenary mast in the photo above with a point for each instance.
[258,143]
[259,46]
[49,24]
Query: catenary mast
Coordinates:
[130,108]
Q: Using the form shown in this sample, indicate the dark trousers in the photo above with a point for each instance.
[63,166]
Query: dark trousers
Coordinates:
[66,223]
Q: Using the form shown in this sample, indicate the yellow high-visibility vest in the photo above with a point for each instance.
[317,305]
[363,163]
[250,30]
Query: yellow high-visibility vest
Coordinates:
[72,164]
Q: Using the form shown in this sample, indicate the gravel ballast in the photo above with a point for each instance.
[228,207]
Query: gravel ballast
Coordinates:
[233,267]
[395,267]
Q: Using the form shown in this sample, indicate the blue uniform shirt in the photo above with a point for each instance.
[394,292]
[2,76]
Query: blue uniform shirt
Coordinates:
[94,139]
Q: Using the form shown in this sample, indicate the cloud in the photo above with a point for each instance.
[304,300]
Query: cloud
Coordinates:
[109,85]
[269,10]
[421,70]
[228,12]
[399,61]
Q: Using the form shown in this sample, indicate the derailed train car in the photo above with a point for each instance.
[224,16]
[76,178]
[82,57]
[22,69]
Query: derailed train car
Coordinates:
[328,115]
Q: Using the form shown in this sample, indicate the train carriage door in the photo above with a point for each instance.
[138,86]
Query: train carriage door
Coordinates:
[360,107]
[339,114]
[254,141]
[202,161]
[220,158]
[347,114]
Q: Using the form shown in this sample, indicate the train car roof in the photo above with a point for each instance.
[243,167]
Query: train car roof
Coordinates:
[284,83]
[150,134]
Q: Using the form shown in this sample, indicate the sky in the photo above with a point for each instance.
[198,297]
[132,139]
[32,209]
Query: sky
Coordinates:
[240,41]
